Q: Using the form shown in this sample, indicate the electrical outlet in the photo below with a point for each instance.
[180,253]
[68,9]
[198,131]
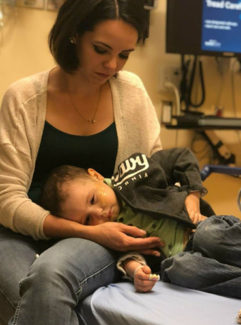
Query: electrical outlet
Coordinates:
[170,74]
[166,112]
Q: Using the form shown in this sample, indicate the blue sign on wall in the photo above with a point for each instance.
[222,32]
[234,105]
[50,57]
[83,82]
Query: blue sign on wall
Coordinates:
[221,26]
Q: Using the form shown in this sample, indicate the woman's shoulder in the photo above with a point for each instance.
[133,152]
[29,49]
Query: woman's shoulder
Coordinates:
[27,87]
[130,79]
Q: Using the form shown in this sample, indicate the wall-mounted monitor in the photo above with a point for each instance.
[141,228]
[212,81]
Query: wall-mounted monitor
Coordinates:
[203,27]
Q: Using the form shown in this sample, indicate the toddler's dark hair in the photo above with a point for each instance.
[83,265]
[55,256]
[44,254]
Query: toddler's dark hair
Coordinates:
[53,194]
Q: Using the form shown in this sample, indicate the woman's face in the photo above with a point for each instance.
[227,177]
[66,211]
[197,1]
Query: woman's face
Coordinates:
[104,51]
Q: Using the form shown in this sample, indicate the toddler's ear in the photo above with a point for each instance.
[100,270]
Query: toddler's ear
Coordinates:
[92,172]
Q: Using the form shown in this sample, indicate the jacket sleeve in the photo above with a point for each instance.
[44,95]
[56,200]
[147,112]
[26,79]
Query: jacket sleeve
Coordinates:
[129,256]
[181,166]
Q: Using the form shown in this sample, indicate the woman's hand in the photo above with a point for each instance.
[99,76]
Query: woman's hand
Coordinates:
[114,235]
[192,204]
[121,237]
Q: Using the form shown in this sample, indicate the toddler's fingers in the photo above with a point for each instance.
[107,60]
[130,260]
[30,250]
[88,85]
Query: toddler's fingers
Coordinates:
[146,269]
[151,276]
[154,277]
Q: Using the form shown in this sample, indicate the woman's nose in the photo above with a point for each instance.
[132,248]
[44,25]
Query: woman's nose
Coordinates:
[112,63]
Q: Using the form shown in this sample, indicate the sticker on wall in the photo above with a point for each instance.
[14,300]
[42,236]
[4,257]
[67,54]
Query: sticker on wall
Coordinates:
[38,4]
[54,4]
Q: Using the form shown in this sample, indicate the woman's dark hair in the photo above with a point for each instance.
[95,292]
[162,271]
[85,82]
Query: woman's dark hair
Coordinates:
[75,17]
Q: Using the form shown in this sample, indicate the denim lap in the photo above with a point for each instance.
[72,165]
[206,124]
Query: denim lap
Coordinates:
[52,284]
[63,275]
[17,253]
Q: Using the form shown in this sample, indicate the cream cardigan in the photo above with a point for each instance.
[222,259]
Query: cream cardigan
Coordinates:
[22,117]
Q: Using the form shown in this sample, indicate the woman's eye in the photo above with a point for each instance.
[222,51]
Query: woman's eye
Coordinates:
[99,49]
[124,56]
[92,201]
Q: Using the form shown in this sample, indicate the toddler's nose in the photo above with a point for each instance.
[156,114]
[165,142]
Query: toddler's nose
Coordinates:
[97,216]
[97,212]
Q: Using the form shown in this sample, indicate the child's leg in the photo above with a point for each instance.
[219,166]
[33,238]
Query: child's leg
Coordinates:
[219,237]
[192,270]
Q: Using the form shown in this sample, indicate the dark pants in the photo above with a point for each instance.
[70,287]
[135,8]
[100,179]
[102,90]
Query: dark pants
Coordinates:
[214,262]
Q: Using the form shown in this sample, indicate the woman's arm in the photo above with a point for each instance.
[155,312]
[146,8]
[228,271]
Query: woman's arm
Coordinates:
[22,117]
[113,235]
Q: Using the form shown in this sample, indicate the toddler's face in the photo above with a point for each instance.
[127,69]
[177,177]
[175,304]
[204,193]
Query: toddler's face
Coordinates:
[90,202]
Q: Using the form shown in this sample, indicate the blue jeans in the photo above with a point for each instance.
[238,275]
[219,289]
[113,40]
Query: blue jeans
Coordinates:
[214,262]
[47,290]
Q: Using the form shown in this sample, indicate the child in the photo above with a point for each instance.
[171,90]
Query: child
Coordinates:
[142,193]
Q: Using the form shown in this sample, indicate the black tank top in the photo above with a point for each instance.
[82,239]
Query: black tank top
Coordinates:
[97,151]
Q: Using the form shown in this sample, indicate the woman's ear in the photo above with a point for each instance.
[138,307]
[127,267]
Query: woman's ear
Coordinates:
[92,172]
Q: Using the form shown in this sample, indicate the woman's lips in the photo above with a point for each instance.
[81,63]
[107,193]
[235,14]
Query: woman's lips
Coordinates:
[103,75]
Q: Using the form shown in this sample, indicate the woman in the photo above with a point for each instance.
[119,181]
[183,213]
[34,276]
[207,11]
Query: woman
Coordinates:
[83,112]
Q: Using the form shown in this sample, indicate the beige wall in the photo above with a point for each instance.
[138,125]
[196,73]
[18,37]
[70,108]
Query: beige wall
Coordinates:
[24,51]
[23,46]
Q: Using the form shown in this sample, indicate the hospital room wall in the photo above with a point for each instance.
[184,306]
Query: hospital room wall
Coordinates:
[24,51]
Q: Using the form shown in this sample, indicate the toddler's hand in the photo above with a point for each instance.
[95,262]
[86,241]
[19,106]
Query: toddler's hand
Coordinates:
[239,317]
[196,217]
[144,280]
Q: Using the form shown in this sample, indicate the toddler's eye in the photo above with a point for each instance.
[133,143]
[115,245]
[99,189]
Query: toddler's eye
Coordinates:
[87,220]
